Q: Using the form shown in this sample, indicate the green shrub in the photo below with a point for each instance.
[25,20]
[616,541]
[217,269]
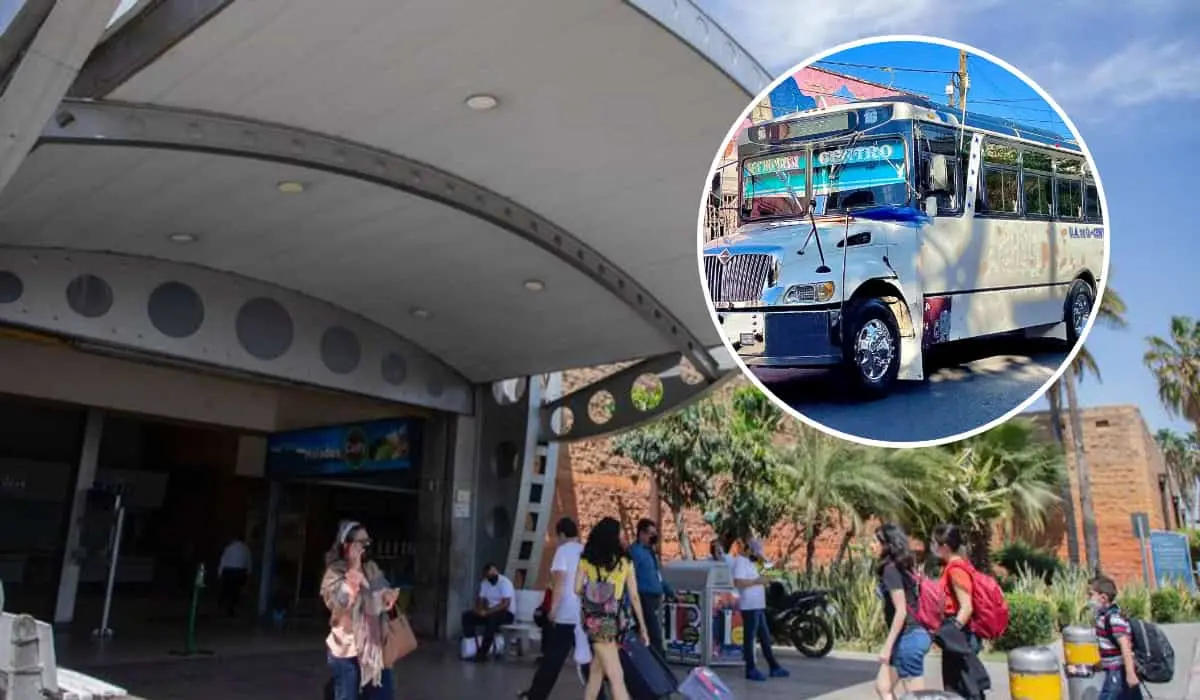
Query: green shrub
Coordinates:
[1069,595]
[1134,600]
[1167,605]
[1193,536]
[1020,556]
[1031,622]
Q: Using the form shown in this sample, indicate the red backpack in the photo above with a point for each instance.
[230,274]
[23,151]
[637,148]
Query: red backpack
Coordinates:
[931,602]
[989,614]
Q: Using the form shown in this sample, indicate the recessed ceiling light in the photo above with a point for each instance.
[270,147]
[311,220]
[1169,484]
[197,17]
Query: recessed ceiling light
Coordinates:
[482,103]
[418,312]
[182,237]
[535,285]
[291,187]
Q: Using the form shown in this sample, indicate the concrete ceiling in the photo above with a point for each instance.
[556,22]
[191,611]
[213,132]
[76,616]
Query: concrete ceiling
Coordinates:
[607,124]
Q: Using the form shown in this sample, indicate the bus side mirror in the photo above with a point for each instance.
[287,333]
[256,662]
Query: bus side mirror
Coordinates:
[937,174]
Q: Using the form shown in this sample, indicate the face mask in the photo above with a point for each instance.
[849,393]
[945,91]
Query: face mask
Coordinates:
[1094,606]
[653,540]
[493,579]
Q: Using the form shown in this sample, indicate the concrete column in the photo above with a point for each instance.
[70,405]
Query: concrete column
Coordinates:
[68,582]
[47,68]
[266,565]
[464,476]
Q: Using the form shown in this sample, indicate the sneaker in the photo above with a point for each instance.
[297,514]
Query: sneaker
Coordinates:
[780,672]
[755,675]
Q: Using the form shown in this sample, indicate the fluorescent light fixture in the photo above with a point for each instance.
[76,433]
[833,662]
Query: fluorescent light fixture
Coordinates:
[482,103]
[182,238]
[291,187]
[535,285]
[418,312]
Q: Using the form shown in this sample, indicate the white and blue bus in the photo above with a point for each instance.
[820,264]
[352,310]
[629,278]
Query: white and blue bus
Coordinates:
[871,231]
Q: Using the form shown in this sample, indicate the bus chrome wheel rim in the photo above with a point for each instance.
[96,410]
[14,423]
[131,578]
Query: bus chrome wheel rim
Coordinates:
[873,350]
[1080,310]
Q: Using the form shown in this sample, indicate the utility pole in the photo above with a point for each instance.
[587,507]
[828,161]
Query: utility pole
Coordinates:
[964,81]
[960,82]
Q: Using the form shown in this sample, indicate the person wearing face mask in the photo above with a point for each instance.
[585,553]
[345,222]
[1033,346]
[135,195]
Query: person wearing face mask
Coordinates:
[358,597]
[1115,637]
[650,584]
[493,609]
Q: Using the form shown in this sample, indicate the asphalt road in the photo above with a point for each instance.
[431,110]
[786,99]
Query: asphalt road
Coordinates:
[972,384]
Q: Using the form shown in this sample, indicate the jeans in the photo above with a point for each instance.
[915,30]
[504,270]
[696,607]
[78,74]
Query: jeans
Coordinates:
[652,611]
[754,627]
[346,677]
[1114,687]
[557,643]
[472,621]
[230,587]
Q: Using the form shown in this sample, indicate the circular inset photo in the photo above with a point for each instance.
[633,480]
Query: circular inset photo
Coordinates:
[903,241]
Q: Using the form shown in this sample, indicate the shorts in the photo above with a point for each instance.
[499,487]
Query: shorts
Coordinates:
[908,656]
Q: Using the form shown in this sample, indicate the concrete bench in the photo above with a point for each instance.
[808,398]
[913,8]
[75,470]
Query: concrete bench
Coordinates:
[28,667]
[523,630]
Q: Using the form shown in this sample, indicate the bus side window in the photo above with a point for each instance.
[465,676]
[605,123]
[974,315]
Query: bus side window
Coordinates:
[940,140]
[1002,190]
[1091,203]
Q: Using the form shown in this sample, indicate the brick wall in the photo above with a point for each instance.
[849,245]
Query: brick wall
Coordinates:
[1125,466]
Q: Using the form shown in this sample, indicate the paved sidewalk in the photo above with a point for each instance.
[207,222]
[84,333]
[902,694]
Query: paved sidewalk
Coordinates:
[434,673]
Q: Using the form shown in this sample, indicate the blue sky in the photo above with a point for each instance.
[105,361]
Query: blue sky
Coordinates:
[922,68]
[1128,75]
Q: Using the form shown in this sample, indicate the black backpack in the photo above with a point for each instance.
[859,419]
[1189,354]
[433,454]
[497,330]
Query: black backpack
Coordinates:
[1153,654]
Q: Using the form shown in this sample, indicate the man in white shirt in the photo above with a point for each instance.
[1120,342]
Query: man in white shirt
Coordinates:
[232,574]
[564,611]
[752,601]
[493,608]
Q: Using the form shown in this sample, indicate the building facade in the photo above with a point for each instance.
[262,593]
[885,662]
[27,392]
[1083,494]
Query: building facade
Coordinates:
[1127,476]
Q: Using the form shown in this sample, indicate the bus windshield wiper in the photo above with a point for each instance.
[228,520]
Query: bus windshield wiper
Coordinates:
[812,219]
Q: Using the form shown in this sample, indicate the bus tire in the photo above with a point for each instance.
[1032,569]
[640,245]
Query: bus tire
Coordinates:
[1077,309]
[866,318]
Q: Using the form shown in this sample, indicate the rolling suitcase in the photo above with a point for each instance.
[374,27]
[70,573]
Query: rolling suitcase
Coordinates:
[647,676]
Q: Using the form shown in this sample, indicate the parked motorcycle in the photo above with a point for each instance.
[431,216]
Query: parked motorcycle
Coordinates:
[802,618]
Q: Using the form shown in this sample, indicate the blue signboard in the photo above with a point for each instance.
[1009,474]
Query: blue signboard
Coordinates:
[1172,558]
[359,448]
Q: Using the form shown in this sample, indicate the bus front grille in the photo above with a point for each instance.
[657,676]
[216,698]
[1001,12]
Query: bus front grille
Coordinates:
[738,278]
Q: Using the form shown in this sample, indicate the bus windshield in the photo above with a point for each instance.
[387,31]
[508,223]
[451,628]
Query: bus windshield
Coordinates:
[856,175]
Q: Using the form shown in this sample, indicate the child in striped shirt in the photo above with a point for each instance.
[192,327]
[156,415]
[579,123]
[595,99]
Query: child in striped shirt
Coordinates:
[1116,642]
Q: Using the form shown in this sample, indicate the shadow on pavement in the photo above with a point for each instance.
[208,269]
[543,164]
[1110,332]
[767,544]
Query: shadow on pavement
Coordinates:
[433,673]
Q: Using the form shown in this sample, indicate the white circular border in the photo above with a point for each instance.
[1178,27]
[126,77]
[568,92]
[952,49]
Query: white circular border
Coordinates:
[737,125]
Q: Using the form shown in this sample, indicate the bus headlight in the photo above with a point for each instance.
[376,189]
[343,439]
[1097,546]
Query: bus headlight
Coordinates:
[818,293]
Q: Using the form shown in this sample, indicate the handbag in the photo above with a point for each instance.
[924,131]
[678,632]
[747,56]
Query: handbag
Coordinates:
[399,640]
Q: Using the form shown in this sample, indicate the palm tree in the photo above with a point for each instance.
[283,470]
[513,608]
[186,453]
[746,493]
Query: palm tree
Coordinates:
[1175,363]
[830,482]
[1005,477]
[1180,463]
[1111,314]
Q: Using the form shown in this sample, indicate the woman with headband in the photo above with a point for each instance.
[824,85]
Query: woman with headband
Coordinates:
[358,597]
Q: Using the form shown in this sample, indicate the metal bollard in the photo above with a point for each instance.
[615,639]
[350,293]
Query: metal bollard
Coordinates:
[1033,674]
[1081,653]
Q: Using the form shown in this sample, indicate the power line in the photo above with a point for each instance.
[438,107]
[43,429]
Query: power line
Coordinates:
[868,66]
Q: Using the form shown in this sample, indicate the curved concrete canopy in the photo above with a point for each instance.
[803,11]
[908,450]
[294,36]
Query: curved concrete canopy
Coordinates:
[606,124]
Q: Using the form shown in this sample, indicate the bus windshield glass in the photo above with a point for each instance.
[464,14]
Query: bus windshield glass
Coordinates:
[861,174]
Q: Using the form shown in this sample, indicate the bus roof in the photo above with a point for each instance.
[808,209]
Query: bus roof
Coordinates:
[922,109]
